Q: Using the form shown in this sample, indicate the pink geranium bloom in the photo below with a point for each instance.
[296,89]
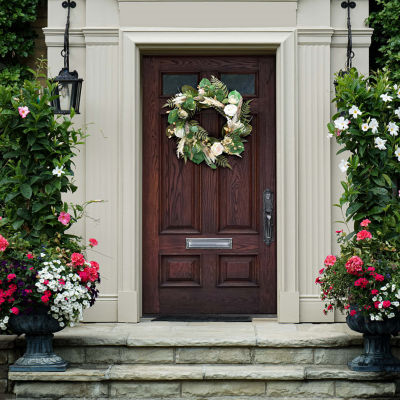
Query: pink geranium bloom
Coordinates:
[354,265]
[386,303]
[15,310]
[10,277]
[77,259]
[30,256]
[364,235]
[330,260]
[353,313]
[339,231]
[23,111]
[365,222]
[3,243]
[379,277]
[362,282]
[374,291]
[93,242]
[95,265]
[64,218]
[371,269]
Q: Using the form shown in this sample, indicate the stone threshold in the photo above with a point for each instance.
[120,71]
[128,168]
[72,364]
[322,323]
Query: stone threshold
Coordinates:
[157,372]
[191,334]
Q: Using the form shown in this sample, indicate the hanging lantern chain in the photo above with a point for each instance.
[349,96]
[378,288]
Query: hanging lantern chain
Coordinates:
[65,51]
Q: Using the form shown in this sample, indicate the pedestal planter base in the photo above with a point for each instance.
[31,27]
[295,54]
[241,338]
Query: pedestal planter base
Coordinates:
[377,356]
[39,356]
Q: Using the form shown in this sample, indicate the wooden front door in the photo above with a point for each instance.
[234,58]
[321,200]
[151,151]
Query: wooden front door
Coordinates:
[183,201]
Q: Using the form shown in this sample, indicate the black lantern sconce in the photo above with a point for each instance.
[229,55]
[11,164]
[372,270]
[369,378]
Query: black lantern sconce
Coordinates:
[69,86]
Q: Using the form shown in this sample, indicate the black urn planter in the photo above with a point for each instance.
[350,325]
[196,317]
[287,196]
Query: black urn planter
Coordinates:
[38,328]
[377,355]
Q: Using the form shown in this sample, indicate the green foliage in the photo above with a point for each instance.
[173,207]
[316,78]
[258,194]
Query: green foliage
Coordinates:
[371,185]
[14,75]
[386,38]
[31,149]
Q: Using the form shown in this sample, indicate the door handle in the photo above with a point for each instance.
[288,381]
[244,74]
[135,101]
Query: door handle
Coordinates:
[268,216]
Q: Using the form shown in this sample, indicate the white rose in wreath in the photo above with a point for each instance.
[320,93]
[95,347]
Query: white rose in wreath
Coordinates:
[180,132]
[182,113]
[230,110]
[217,149]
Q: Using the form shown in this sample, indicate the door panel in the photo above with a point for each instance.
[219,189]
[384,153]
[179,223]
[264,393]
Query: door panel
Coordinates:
[187,200]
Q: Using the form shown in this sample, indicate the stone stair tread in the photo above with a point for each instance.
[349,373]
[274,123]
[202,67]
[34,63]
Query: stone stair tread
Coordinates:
[164,334]
[154,372]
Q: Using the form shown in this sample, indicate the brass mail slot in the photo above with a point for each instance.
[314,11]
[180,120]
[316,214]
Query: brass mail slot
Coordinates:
[208,243]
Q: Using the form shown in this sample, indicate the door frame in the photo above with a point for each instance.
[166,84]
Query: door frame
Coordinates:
[133,43]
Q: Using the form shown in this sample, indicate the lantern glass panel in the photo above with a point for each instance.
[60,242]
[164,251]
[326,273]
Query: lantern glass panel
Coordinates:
[65,93]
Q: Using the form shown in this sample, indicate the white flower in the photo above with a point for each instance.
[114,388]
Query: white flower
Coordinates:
[217,149]
[230,110]
[58,171]
[397,153]
[202,92]
[391,315]
[395,303]
[341,123]
[398,93]
[365,127]
[182,113]
[380,143]
[372,316]
[180,132]
[397,112]
[233,100]
[355,111]
[385,97]
[343,165]
[393,129]
[373,124]
[179,98]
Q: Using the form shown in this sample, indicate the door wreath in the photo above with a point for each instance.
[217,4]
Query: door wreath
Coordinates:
[193,142]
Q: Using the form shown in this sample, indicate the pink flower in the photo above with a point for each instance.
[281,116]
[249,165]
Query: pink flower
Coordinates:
[30,256]
[347,306]
[386,303]
[10,277]
[15,310]
[77,259]
[330,307]
[365,222]
[353,313]
[374,291]
[379,277]
[3,243]
[321,270]
[23,111]
[64,218]
[371,269]
[95,265]
[338,232]
[362,282]
[318,280]
[364,235]
[330,260]
[354,265]
[93,242]
[377,304]
[61,282]
[45,299]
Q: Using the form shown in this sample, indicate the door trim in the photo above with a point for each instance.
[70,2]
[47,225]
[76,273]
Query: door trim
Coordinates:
[134,42]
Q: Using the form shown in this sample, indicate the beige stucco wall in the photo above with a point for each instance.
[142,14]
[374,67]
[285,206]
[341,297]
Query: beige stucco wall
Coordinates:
[107,37]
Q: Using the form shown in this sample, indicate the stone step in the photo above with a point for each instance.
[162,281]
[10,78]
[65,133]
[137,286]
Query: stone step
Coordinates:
[205,382]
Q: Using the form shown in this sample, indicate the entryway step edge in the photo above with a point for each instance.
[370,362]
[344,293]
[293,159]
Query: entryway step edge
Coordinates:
[140,372]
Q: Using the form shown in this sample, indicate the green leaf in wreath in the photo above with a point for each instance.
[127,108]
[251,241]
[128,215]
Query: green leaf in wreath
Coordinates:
[26,190]
[173,116]
[189,90]
[204,83]
[189,104]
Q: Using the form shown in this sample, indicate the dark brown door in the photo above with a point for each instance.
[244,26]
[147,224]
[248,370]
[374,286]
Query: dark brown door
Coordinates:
[193,201]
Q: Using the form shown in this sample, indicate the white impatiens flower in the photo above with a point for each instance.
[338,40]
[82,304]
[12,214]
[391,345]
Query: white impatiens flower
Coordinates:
[364,127]
[343,165]
[397,112]
[380,143]
[58,171]
[385,97]
[230,110]
[397,153]
[373,124]
[393,129]
[398,92]
[341,123]
[217,149]
[355,111]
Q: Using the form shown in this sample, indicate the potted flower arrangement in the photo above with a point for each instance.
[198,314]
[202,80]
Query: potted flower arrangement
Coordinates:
[46,280]
[364,279]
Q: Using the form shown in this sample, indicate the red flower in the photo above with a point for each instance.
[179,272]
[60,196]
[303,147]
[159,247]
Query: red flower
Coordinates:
[330,260]
[371,269]
[30,256]
[93,242]
[379,277]
[386,303]
[330,307]
[15,310]
[61,282]
[10,277]
[365,222]
[3,243]
[95,265]
[374,291]
[31,268]
[354,265]
[338,232]
[77,259]
[353,313]
[45,299]
[318,280]
[364,235]
[377,304]
[347,306]
[362,282]
[46,282]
